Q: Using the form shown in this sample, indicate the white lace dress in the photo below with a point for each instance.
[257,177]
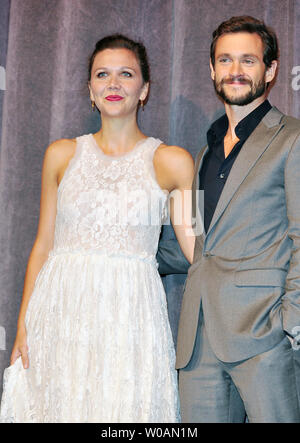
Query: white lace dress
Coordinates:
[100,344]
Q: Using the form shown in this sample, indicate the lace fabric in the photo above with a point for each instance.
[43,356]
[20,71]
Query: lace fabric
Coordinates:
[108,204]
[100,344]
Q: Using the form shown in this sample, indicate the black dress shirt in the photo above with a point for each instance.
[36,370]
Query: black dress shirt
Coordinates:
[216,168]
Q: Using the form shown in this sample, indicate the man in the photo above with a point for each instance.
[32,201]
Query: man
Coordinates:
[241,307]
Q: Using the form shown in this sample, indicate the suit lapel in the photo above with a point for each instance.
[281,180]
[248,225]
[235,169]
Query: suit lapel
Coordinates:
[196,210]
[198,166]
[252,150]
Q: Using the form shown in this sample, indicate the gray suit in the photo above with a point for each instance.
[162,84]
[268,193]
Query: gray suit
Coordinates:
[244,284]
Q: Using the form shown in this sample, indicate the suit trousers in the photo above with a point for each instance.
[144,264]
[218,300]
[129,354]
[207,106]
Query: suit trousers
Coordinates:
[263,387]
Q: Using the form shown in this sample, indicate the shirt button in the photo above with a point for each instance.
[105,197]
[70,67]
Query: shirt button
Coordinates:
[222,175]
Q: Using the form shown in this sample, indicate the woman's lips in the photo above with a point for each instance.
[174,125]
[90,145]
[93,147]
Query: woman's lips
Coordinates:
[114,98]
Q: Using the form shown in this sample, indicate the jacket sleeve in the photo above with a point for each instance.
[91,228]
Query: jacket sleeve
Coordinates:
[291,298]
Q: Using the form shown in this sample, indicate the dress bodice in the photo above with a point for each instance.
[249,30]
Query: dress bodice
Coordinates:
[110,205]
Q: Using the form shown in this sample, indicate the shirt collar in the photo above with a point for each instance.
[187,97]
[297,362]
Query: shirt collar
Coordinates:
[244,128]
[249,123]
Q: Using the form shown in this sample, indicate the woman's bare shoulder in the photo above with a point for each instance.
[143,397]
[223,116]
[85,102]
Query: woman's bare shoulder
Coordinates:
[174,166]
[163,147]
[60,152]
[61,148]
[174,156]
[57,156]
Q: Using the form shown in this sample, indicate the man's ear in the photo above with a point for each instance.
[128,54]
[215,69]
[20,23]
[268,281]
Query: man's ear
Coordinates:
[271,71]
[212,70]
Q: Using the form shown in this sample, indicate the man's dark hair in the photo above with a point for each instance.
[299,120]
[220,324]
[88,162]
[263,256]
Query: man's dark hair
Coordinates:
[252,25]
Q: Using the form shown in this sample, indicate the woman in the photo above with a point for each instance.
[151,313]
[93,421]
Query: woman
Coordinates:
[93,332]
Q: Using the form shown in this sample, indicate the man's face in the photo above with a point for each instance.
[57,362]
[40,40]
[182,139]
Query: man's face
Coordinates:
[239,74]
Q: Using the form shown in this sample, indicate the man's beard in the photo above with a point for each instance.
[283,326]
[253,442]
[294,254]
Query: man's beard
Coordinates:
[256,90]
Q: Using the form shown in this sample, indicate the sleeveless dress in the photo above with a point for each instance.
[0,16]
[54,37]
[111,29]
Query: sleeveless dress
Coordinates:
[100,344]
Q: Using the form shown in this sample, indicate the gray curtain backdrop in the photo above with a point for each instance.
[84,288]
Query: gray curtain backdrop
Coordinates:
[44,48]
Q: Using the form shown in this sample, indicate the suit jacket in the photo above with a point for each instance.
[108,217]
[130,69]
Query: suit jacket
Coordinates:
[246,269]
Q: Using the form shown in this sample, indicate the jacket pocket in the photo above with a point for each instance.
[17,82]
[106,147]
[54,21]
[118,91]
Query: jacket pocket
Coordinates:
[260,277]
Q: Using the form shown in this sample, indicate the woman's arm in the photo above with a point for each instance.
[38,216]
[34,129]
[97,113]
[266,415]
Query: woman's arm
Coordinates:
[55,160]
[175,172]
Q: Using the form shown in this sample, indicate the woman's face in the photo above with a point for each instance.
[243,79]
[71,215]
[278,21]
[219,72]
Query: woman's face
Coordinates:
[116,83]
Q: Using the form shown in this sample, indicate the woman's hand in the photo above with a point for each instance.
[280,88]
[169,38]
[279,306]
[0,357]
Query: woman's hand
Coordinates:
[20,348]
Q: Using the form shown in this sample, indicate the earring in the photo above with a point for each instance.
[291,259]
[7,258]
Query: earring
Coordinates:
[142,104]
[93,105]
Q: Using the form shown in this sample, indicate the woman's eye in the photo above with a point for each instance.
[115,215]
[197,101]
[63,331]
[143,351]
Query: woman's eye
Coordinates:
[126,74]
[101,74]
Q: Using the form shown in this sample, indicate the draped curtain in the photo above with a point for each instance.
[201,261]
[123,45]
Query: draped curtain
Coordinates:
[44,49]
